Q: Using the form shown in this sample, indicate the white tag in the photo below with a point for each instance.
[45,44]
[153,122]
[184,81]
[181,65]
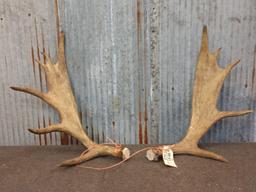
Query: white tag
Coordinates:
[168,157]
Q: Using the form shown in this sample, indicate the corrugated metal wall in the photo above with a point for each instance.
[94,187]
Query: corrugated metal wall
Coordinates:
[131,65]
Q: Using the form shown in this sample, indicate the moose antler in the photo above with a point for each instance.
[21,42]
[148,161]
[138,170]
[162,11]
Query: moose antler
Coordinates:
[61,98]
[209,78]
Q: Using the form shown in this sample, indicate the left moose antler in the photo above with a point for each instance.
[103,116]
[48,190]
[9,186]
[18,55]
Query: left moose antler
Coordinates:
[61,98]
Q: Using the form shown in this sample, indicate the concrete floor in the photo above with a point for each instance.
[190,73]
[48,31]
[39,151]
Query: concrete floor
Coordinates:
[34,169]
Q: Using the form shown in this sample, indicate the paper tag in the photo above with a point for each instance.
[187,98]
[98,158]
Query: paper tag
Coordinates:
[168,157]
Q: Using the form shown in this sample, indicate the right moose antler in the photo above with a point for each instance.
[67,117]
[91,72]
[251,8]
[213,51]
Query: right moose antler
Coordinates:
[209,78]
[61,98]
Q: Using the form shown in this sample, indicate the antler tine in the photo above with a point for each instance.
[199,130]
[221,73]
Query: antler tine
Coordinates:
[61,50]
[31,91]
[60,97]
[209,78]
[204,44]
[49,129]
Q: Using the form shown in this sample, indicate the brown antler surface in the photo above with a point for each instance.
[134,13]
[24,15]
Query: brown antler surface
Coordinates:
[209,78]
[61,98]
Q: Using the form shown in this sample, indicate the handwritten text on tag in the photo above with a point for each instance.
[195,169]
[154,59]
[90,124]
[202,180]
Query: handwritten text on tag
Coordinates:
[168,157]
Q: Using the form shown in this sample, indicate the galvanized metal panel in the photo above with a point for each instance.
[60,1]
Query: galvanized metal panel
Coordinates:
[131,65]
[26,30]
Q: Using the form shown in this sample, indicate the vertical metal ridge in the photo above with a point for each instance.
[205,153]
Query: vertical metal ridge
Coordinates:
[155,75]
[139,54]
